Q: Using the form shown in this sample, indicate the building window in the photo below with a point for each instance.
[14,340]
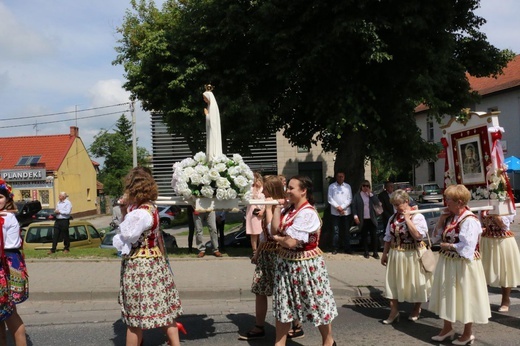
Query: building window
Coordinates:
[44,196]
[26,194]
[431,171]
[28,160]
[429,131]
[88,194]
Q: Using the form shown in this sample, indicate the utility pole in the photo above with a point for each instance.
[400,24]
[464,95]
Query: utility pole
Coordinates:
[134,138]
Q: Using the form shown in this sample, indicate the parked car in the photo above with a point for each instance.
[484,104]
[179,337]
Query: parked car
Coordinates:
[235,238]
[167,214]
[355,235]
[169,241]
[82,234]
[427,193]
[403,185]
[44,214]
[26,210]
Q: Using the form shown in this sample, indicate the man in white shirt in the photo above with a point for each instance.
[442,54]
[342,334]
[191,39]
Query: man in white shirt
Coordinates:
[340,198]
[61,225]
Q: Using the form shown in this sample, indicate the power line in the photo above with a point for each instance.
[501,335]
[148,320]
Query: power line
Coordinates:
[69,112]
[62,120]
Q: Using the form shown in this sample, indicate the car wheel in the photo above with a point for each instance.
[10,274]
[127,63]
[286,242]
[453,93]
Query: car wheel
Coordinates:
[165,223]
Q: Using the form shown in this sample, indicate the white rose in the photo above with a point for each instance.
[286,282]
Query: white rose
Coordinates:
[207,191]
[241,182]
[221,158]
[200,157]
[196,179]
[206,179]
[220,167]
[237,158]
[223,183]
[234,171]
[213,174]
[231,194]
[221,194]
[493,195]
[189,162]
[188,171]
[201,169]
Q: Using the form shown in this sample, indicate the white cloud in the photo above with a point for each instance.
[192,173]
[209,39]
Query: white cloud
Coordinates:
[20,42]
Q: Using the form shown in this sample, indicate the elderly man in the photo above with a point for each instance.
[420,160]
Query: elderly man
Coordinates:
[340,198]
[61,225]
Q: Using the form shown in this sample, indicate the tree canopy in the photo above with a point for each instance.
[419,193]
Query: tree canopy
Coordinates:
[116,148]
[346,73]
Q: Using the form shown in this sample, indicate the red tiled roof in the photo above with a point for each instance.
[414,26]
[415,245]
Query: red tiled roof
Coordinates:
[52,149]
[510,78]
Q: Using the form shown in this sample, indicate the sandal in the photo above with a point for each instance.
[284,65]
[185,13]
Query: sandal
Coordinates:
[252,334]
[296,332]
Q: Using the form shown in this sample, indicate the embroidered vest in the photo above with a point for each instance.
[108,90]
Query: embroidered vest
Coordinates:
[491,228]
[451,234]
[306,250]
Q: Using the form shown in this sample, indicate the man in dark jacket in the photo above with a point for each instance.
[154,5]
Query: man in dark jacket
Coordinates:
[384,198]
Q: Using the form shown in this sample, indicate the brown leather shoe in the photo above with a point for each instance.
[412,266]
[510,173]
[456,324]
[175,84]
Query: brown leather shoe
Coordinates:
[50,252]
[66,251]
[201,254]
[217,254]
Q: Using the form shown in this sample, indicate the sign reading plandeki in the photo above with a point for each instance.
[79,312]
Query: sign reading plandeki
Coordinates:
[23,174]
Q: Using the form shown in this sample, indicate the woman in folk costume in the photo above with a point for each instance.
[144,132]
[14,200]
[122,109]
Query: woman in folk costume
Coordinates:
[213,135]
[459,291]
[147,293]
[500,255]
[13,271]
[405,279]
[302,287]
[265,259]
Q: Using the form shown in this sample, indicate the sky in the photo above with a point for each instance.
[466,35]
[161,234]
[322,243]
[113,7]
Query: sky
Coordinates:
[56,58]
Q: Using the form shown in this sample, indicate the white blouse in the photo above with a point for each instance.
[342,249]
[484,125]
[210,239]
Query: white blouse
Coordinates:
[305,222]
[419,222]
[135,223]
[11,232]
[470,230]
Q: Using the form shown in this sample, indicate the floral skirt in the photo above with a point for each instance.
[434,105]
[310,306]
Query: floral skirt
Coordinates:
[302,292]
[501,261]
[405,280]
[147,293]
[263,278]
[459,291]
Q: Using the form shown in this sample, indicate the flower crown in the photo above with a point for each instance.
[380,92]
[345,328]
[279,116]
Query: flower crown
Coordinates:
[7,188]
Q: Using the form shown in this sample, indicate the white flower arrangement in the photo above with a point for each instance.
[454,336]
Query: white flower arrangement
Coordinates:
[496,188]
[221,178]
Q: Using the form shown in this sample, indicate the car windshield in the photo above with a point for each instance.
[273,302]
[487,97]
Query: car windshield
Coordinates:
[431,187]
[107,240]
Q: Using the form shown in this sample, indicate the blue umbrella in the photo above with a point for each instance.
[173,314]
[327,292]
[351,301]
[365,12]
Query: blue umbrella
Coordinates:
[513,163]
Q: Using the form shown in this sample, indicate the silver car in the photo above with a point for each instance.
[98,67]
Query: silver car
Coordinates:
[430,192]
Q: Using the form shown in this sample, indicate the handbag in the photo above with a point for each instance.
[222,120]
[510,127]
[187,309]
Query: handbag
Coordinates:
[426,256]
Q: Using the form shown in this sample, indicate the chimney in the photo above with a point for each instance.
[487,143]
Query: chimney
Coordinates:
[74,131]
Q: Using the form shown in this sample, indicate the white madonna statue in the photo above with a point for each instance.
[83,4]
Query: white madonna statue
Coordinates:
[213,135]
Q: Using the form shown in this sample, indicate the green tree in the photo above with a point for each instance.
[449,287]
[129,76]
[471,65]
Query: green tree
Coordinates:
[347,73]
[116,149]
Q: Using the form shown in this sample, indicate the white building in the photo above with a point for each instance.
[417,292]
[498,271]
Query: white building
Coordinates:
[500,94]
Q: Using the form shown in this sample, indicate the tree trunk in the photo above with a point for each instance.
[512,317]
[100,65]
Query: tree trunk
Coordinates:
[350,158]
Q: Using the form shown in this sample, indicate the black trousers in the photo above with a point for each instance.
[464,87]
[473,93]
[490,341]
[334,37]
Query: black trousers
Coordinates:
[220,232]
[61,230]
[369,229]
